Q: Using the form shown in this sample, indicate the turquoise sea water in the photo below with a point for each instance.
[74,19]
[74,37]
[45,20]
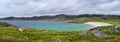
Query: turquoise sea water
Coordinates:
[49,25]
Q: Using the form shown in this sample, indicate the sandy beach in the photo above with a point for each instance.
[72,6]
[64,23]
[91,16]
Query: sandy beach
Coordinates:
[97,24]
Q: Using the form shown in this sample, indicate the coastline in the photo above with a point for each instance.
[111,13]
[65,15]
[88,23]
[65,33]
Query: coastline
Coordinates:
[97,24]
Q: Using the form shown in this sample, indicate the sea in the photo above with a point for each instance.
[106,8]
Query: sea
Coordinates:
[49,25]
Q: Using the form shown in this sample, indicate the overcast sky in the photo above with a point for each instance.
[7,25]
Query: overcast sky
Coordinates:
[54,7]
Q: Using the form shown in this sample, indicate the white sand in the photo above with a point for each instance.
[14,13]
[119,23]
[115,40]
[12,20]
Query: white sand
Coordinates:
[97,24]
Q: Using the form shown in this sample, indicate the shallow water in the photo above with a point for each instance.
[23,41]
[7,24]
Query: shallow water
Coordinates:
[49,25]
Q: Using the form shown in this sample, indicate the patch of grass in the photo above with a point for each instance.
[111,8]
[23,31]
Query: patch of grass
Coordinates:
[36,35]
[111,20]
[4,24]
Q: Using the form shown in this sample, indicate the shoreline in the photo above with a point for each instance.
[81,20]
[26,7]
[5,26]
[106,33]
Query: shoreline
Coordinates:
[97,24]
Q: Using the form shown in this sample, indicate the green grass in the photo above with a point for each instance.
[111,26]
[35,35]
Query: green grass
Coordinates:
[36,35]
[111,20]
[4,24]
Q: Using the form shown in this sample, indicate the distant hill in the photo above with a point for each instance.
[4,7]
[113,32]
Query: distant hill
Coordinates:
[59,17]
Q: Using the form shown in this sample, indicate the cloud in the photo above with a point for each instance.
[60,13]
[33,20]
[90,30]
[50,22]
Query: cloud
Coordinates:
[53,7]
[110,6]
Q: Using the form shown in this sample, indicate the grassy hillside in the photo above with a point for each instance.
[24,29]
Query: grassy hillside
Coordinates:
[112,20]
[4,24]
[62,17]
[8,33]
[11,34]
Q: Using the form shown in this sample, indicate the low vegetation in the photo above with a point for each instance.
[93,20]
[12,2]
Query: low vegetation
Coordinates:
[12,34]
[4,24]
[9,33]
[111,20]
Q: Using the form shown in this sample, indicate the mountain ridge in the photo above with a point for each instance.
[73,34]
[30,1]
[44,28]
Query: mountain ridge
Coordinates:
[59,17]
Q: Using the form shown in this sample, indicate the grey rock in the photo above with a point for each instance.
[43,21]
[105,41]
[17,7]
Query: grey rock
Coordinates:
[99,34]
[26,37]
[83,32]
[58,40]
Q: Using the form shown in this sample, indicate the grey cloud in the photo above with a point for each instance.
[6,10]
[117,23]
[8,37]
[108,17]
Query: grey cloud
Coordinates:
[109,6]
[53,7]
